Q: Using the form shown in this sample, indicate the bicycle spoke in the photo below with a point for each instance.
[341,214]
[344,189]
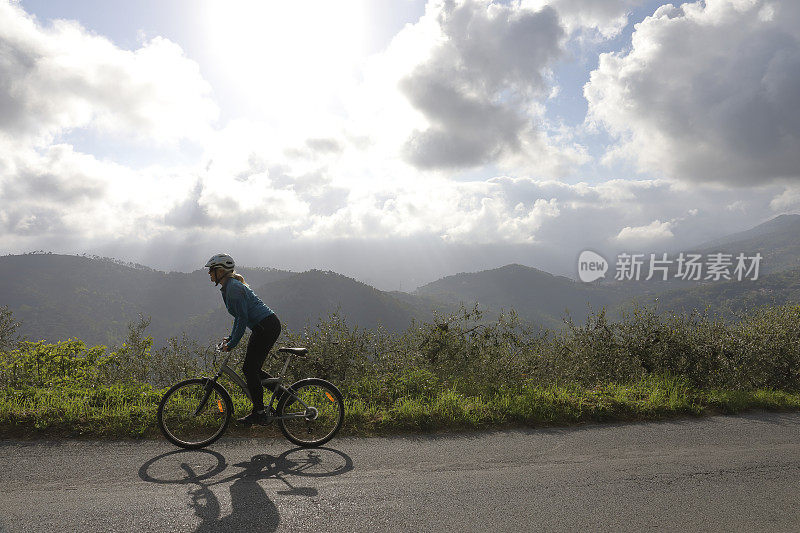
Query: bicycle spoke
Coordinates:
[317,423]
[189,422]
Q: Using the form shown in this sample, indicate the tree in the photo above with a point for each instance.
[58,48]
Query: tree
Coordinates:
[8,330]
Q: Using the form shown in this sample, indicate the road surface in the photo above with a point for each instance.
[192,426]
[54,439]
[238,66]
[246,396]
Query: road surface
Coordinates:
[738,473]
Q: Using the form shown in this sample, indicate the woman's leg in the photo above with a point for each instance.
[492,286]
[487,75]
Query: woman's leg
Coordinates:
[261,341]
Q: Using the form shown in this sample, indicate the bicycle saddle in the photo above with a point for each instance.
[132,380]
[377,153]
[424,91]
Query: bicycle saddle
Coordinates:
[296,351]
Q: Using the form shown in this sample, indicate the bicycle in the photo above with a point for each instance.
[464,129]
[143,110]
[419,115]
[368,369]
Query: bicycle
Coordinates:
[196,412]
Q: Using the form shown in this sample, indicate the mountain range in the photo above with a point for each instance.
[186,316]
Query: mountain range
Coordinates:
[59,296]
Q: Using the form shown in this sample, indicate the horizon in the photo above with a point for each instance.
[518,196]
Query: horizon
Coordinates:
[575,278]
[396,142]
[257,267]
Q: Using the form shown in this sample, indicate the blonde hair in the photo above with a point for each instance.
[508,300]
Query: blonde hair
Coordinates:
[238,277]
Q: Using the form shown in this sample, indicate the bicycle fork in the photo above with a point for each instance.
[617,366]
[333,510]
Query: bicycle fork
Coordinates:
[209,386]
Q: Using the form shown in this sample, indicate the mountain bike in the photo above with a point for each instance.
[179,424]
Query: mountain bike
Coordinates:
[196,412]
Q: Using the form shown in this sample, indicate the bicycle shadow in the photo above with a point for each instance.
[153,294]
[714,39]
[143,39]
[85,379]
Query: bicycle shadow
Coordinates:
[251,507]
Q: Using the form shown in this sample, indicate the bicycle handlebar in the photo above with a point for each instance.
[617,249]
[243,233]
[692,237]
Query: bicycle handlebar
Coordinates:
[218,350]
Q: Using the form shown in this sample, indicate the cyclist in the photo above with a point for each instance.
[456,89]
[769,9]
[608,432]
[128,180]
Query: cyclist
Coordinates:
[248,311]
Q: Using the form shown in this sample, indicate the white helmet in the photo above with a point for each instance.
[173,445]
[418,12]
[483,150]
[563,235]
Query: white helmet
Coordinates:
[221,260]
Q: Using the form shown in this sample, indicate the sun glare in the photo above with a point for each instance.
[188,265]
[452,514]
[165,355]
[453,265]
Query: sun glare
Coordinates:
[295,53]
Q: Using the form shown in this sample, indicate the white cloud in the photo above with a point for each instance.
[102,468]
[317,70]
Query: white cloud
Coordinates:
[466,86]
[655,231]
[56,192]
[738,205]
[245,202]
[606,17]
[473,89]
[707,92]
[472,77]
[60,77]
[787,201]
[496,221]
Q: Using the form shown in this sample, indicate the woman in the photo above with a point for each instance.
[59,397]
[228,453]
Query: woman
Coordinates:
[248,311]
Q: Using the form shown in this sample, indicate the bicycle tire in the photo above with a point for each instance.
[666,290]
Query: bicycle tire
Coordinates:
[179,424]
[311,432]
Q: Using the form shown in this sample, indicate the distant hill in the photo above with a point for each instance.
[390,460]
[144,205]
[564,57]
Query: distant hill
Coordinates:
[540,297]
[731,298]
[94,299]
[778,241]
[535,295]
[60,296]
[301,299]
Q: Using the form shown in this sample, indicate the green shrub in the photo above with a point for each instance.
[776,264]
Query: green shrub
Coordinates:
[38,364]
[460,352]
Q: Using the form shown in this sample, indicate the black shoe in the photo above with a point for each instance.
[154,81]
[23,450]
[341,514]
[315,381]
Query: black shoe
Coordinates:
[261,418]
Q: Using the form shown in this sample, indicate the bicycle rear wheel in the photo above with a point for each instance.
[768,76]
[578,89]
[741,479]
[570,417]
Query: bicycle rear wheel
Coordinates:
[192,416]
[316,424]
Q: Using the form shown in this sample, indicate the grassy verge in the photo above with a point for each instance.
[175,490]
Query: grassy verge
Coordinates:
[125,411]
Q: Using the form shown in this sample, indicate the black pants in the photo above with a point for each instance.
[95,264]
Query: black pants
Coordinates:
[262,339]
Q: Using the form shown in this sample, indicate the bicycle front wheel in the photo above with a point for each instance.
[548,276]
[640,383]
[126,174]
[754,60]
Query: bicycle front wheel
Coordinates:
[312,413]
[194,413]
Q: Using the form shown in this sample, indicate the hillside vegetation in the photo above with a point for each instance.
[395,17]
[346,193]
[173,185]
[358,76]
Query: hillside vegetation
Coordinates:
[536,296]
[452,372]
[58,296]
[731,299]
[776,240]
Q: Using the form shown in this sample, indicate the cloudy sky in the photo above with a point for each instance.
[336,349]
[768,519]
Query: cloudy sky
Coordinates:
[394,141]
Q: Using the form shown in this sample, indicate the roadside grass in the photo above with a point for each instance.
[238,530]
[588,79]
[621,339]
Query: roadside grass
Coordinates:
[454,373]
[128,410]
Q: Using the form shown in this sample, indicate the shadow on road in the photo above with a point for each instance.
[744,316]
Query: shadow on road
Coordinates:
[252,508]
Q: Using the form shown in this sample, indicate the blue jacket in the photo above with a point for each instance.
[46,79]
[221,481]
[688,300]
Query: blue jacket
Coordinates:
[247,308]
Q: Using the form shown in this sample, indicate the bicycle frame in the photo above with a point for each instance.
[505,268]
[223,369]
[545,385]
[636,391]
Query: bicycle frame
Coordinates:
[277,381]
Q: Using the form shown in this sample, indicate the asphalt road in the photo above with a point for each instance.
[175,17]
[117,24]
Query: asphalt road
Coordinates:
[715,474]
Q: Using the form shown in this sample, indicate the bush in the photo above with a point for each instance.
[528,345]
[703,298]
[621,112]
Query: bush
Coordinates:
[8,330]
[459,352]
[37,364]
